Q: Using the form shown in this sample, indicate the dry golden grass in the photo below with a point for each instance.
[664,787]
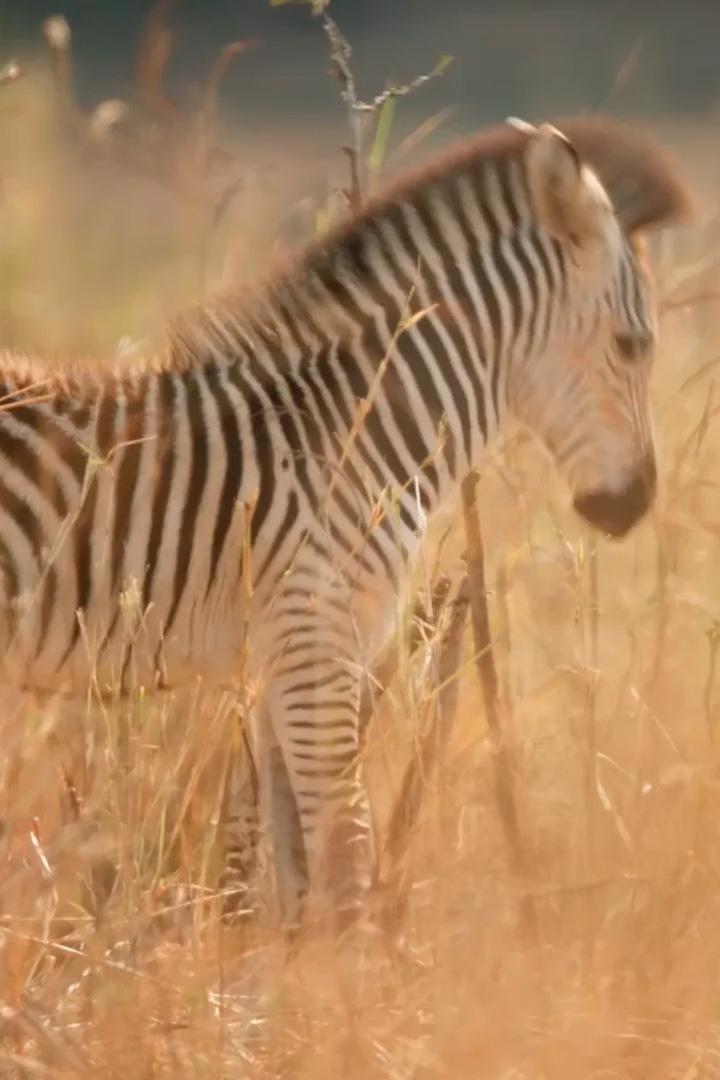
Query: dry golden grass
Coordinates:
[603,962]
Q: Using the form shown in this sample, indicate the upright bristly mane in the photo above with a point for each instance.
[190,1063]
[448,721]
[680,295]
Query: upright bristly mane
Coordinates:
[642,180]
[643,183]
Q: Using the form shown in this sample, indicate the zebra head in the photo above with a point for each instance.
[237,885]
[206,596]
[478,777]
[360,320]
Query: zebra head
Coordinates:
[586,392]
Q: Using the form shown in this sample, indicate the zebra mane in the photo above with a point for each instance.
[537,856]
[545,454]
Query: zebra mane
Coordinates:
[642,181]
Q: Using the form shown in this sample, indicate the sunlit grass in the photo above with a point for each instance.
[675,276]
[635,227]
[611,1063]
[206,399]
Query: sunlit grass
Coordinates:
[113,957]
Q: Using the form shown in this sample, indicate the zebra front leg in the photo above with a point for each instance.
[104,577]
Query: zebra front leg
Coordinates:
[314,703]
[259,804]
[263,808]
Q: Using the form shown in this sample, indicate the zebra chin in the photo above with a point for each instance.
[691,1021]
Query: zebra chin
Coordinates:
[615,513]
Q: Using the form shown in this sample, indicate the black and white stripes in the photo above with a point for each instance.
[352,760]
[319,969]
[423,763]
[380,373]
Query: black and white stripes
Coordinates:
[271,478]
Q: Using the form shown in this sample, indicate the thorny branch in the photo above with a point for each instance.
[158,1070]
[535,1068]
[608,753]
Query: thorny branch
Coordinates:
[503,773]
[341,53]
[358,110]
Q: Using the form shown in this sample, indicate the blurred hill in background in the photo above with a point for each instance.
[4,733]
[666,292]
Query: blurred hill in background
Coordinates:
[519,56]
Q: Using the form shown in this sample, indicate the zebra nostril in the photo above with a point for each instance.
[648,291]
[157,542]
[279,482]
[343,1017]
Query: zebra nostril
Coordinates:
[615,513]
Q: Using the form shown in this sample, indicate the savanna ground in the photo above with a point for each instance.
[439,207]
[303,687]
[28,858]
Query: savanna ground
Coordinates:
[601,958]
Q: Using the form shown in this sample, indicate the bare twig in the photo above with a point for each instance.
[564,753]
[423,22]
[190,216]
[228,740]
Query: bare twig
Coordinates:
[682,302]
[625,71]
[424,763]
[153,56]
[340,54]
[395,91]
[484,656]
[592,660]
[713,638]
[75,799]
[357,109]
[502,588]
[378,681]
[487,672]
[227,54]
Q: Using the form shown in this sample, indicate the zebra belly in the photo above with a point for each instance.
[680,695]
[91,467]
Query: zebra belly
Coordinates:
[117,643]
[140,655]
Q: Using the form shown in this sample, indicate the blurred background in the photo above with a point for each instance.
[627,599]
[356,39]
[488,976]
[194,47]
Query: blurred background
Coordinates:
[511,55]
[201,139]
[146,161]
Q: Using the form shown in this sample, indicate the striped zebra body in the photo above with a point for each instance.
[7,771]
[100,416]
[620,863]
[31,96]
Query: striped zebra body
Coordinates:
[99,498]
[253,502]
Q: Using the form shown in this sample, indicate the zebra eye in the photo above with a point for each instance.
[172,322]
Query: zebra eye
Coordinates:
[633,346]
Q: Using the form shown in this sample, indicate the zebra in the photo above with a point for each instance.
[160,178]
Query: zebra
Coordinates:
[249,502]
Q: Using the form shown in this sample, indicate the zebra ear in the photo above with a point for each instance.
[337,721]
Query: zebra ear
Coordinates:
[520,125]
[567,198]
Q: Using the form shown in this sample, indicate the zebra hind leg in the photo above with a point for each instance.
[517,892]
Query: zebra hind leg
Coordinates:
[290,858]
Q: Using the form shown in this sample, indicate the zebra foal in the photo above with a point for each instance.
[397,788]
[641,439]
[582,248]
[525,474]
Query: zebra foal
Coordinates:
[262,488]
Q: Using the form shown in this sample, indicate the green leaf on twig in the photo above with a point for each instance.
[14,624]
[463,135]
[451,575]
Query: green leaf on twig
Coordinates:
[316,6]
[379,149]
[442,65]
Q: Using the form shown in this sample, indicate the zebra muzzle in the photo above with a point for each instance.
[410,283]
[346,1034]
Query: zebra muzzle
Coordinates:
[615,513]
